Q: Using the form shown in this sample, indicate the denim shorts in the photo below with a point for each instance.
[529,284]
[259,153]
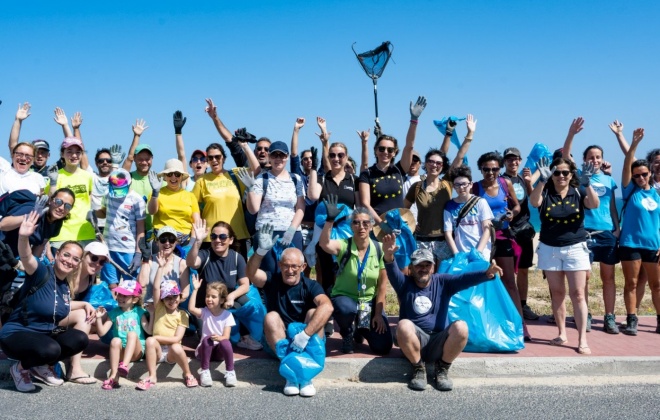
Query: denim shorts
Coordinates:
[604,247]
[563,258]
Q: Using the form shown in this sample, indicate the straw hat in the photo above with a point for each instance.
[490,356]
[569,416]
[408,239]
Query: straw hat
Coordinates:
[174,165]
[407,217]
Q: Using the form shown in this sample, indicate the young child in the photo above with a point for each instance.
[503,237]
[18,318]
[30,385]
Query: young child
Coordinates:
[216,328]
[128,322]
[169,325]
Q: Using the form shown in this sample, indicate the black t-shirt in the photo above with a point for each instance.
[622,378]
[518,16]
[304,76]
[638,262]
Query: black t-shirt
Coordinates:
[226,270]
[291,302]
[345,191]
[562,219]
[521,194]
[385,188]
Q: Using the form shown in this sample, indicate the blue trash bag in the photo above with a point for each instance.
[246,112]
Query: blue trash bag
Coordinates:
[441,125]
[405,240]
[493,320]
[100,295]
[251,315]
[341,228]
[302,367]
[539,151]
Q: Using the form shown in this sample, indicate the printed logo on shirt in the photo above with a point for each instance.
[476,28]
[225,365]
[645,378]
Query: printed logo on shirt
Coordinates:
[128,206]
[300,302]
[649,204]
[232,272]
[78,189]
[348,187]
[519,190]
[600,189]
[422,305]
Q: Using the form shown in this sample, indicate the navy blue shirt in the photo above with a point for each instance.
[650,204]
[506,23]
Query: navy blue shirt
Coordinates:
[291,302]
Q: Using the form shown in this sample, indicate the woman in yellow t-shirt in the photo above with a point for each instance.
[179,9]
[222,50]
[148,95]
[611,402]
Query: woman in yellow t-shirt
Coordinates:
[174,206]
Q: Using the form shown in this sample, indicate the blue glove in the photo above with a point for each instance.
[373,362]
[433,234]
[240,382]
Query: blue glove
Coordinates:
[135,264]
[288,235]
[417,108]
[587,173]
[544,171]
[300,341]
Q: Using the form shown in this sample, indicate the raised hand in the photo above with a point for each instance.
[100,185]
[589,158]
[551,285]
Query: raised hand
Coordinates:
[265,240]
[29,224]
[300,123]
[145,249]
[155,183]
[196,281]
[246,177]
[116,155]
[417,109]
[576,126]
[315,157]
[377,129]
[617,127]
[320,121]
[139,127]
[200,230]
[638,135]
[527,175]
[587,173]
[41,205]
[211,109]
[179,121]
[471,123]
[243,136]
[53,174]
[60,117]
[450,127]
[364,135]
[544,170]
[389,244]
[161,259]
[332,208]
[606,167]
[7,259]
[76,120]
[23,111]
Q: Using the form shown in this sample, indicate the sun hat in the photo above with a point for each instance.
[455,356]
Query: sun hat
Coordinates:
[169,288]
[98,248]
[174,165]
[129,288]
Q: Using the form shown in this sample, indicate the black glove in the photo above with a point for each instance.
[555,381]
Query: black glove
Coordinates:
[243,136]
[179,122]
[315,158]
[377,130]
[451,125]
[332,207]
[145,249]
[7,259]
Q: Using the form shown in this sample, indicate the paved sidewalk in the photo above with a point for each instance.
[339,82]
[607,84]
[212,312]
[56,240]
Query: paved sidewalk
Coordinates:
[611,355]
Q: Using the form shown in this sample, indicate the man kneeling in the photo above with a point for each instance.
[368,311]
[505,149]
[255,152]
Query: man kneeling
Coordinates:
[424,300]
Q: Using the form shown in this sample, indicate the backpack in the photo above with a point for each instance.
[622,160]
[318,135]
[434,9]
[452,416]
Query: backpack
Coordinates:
[13,294]
[339,266]
[251,219]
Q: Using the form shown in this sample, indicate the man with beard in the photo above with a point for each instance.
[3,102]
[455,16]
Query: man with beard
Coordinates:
[422,333]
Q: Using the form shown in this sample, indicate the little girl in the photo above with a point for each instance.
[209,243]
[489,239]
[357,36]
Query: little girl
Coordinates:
[169,325]
[128,322]
[216,328]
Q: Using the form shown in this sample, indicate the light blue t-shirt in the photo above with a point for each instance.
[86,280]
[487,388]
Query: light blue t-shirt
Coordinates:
[125,322]
[640,226]
[600,218]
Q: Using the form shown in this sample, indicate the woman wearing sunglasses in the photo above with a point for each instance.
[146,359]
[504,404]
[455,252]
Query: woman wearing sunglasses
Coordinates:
[17,175]
[172,205]
[175,268]
[562,198]
[639,242]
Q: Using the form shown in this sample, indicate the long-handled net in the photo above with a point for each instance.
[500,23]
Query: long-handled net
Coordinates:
[373,63]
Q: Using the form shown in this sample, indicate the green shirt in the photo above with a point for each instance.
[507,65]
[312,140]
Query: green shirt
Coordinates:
[140,184]
[347,282]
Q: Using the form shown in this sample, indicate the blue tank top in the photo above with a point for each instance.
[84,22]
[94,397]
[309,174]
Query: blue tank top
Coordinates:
[498,204]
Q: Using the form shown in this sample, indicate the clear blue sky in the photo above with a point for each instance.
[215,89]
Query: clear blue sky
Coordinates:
[523,68]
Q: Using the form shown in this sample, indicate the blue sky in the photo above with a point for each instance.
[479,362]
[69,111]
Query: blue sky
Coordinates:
[523,68]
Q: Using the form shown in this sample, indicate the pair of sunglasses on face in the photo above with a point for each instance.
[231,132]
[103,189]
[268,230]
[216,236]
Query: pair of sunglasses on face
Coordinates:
[59,202]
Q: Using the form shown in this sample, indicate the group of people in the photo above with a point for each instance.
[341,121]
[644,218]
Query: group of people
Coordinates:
[179,248]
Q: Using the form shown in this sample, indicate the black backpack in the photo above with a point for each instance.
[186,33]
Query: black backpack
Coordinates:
[13,294]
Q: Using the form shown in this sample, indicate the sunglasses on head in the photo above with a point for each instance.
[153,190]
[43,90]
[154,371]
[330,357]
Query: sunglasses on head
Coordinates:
[386,149]
[58,202]
[336,155]
[489,170]
[97,259]
[103,160]
[262,149]
[561,173]
[167,238]
[278,155]
[213,157]
[642,175]
[196,159]
[174,174]
[222,236]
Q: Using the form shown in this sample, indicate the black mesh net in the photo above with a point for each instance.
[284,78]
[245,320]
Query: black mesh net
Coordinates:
[373,62]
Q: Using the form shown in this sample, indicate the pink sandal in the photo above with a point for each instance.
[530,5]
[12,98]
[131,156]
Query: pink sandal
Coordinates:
[122,369]
[191,382]
[109,384]
[145,384]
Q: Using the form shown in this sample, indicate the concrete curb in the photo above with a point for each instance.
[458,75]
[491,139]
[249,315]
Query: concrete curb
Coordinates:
[387,370]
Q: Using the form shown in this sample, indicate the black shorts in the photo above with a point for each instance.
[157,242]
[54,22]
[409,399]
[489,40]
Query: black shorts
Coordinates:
[634,254]
[603,247]
[503,248]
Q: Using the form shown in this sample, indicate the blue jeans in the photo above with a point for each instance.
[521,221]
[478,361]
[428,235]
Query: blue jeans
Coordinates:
[345,314]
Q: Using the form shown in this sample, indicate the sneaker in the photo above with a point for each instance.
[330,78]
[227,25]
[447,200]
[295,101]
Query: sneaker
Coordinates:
[329,328]
[442,381]
[589,317]
[631,325]
[358,337]
[230,379]
[307,389]
[610,324]
[418,381]
[46,375]
[347,344]
[205,377]
[247,342]
[528,314]
[21,378]
[657,327]
[291,388]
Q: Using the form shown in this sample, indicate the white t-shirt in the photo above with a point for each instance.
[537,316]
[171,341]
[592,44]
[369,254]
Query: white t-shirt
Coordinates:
[215,325]
[13,181]
[470,231]
[279,205]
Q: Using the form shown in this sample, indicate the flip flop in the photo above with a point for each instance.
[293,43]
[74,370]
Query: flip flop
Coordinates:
[557,341]
[83,380]
[584,350]
[145,384]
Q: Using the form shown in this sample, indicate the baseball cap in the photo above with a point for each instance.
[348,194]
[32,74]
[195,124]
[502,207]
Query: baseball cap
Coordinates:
[512,151]
[421,255]
[41,144]
[129,288]
[198,152]
[72,141]
[278,146]
[169,288]
[165,230]
[416,153]
[98,248]
[143,147]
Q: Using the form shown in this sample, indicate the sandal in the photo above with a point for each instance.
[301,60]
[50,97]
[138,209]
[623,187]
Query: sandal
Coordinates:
[557,341]
[109,384]
[191,382]
[83,380]
[122,369]
[584,350]
[145,384]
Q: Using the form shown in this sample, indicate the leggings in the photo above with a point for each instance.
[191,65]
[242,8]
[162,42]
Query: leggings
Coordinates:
[209,351]
[38,349]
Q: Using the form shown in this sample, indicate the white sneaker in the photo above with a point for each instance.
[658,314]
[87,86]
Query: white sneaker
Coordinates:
[46,374]
[291,388]
[247,342]
[230,379]
[21,378]
[205,377]
[307,389]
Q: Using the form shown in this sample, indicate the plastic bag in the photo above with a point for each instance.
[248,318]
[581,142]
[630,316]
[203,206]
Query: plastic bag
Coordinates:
[302,367]
[341,228]
[100,295]
[405,240]
[441,125]
[493,321]
[538,151]
[251,315]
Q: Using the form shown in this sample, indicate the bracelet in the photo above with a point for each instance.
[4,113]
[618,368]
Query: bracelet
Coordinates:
[468,139]
[413,121]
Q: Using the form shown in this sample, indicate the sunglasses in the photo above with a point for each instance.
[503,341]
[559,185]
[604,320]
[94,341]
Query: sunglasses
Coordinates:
[23,156]
[97,259]
[561,173]
[336,155]
[174,174]
[221,237]
[642,175]
[103,160]
[363,223]
[489,170]
[434,162]
[211,157]
[68,255]
[165,239]
[278,155]
[386,149]
[200,159]
[262,149]
[58,202]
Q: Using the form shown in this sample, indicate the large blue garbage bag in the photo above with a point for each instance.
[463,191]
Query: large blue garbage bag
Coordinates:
[441,125]
[405,240]
[341,228]
[251,315]
[492,318]
[100,295]
[539,151]
[302,367]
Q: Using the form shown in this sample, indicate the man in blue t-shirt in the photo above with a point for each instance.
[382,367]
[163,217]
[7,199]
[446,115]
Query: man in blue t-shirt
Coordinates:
[422,333]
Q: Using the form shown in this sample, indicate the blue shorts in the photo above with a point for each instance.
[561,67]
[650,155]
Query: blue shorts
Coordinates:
[603,247]
[109,272]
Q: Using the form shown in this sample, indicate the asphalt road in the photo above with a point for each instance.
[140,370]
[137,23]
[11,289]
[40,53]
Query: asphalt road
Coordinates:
[528,398]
